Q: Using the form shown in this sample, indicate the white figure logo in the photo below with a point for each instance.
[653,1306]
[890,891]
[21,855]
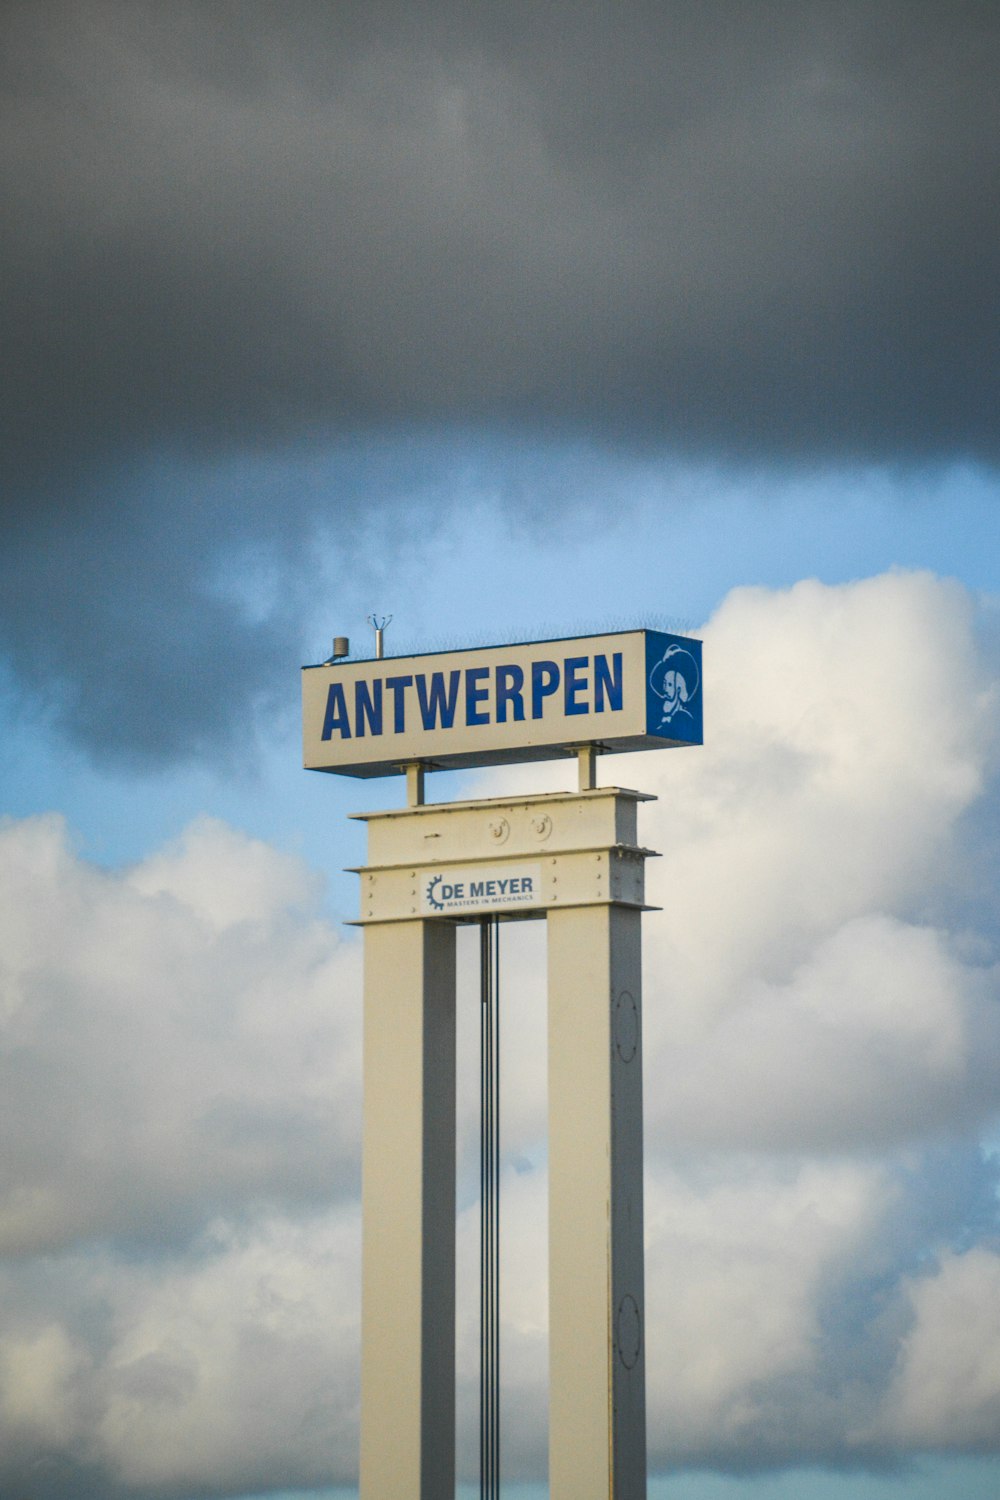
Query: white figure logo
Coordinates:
[675,679]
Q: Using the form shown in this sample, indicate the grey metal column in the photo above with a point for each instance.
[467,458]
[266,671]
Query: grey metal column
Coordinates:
[597,1420]
[408,1204]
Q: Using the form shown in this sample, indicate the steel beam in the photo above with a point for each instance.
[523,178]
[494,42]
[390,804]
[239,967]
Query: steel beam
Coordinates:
[587,879]
[408,1208]
[597,1422]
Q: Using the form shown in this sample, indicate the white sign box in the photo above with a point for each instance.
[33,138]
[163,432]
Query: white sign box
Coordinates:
[633,690]
[480,888]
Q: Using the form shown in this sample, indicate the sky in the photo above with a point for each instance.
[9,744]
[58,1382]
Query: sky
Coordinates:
[505,321]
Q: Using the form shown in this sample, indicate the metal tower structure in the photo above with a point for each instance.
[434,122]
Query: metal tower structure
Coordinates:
[574,860]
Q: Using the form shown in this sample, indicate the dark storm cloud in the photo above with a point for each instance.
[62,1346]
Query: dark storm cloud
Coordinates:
[766,231]
[760,226]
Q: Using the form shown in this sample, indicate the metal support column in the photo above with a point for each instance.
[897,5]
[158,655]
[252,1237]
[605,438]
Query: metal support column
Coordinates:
[408,1202]
[573,858]
[597,1423]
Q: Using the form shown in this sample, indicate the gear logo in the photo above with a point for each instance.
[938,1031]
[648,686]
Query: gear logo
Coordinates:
[675,680]
[432,886]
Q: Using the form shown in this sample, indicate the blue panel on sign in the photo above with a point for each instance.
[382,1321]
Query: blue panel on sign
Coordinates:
[673,687]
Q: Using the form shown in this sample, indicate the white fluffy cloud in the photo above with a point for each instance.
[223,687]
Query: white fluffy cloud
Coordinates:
[232,1365]
[880,1034]
[945,1388]
[796,993]
[178,1040]
[181,1082]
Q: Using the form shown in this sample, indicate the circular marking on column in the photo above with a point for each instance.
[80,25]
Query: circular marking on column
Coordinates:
[499,830]
[629,1331]
[541,825]
[626,1026]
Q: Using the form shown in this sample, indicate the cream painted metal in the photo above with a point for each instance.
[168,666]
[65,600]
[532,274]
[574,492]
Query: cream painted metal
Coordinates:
[408,1212]
[590,888]
[597,1403]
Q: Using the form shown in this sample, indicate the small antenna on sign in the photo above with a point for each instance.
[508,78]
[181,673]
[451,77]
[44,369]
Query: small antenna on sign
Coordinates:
[379,628]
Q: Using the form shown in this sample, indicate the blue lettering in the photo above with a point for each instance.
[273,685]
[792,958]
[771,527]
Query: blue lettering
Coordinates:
[576,683]
[607,681]
[336,713]
[526,884]
[367,705]
[491,887]
[510,681]
[435,704]
[476,888]
[544,681]
[475,695]
[397,687]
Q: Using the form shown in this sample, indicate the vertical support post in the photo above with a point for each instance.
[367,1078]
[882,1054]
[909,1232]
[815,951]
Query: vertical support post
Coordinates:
[408,1206]
[586,756]
[597,1407]
[414,783]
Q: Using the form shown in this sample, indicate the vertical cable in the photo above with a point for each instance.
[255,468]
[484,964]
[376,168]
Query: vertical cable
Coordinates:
[496,1201]
[485,1362]
[489,1222]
